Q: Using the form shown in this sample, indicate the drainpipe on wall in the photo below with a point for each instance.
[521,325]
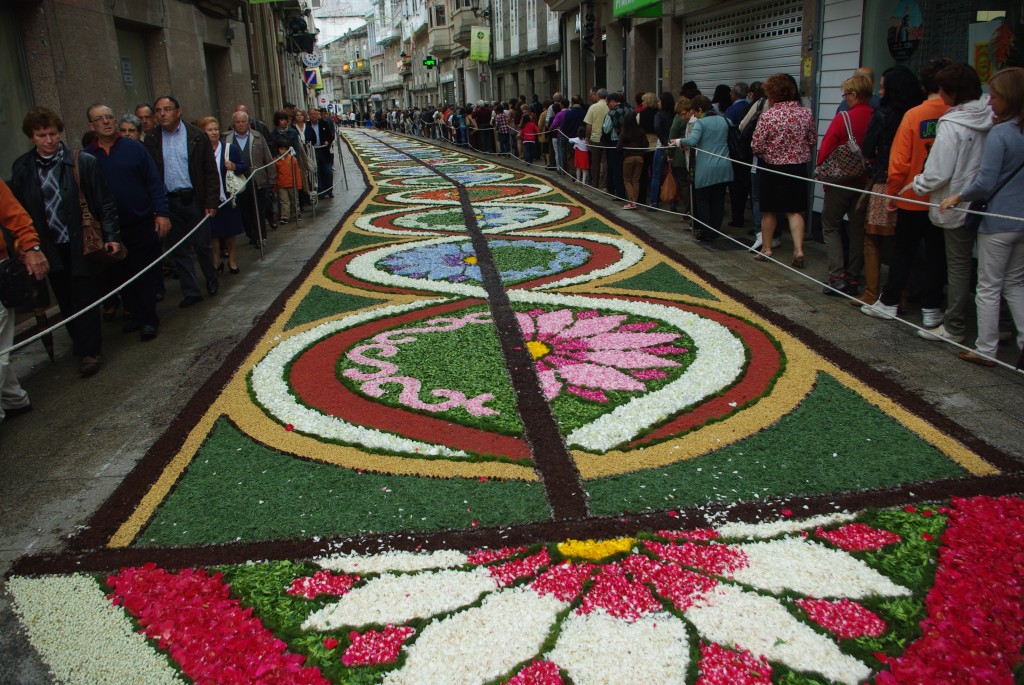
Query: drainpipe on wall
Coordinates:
[253,81]
[626,25]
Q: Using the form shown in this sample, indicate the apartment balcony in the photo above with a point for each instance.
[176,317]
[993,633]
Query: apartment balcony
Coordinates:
[463,22]
[392,81]
[439,41]
[388,34]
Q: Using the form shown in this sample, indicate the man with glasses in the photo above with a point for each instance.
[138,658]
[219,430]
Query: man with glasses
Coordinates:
[141,211]
[187,167]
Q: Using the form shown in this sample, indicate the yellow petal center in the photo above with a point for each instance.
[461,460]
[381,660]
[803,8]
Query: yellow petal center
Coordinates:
[537,349]
[471,259]
[595,549]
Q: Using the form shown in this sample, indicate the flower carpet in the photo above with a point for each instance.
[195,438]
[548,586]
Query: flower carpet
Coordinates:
[493,436]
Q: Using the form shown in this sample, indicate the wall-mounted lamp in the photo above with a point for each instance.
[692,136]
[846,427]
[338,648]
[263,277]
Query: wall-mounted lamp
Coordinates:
[477,12]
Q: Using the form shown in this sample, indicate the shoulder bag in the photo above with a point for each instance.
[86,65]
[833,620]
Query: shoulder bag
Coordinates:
[845,162]
[973,221]
[15,283]
[92,232]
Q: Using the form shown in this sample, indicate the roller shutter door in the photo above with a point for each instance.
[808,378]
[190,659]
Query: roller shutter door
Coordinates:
[747,42]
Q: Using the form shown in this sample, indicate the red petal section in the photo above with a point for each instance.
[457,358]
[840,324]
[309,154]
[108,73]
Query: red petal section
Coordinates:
[713,558]
[843,618]
[508,573]
[564,581]
[322,583]
[215,640]
[721,666]
[858,537]
[620,596]
[376,646]
[538,673]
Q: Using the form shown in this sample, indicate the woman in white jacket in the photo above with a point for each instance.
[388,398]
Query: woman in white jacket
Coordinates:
[953,163]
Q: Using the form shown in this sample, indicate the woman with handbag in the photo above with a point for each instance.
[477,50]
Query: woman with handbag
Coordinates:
[952,164]
[899,91]
[840,154]
[43,181]
[1000,181]
[226,224]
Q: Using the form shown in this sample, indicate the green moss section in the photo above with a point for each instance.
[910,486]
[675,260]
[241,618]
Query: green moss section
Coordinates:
[593,226]
[833,442]
[663,279]
[321,303]
[352,240]
[556,198]
[373,209]
[237,489]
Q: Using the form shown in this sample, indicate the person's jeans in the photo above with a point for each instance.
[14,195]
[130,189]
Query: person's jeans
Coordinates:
[503,142]
[755,200]
[1000,274]
[613,160]
[183,218]
[709,210]
[528,147]
[556,143]
[912,227]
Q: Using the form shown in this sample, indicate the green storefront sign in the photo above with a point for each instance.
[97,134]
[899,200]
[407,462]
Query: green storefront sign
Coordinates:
[637,8]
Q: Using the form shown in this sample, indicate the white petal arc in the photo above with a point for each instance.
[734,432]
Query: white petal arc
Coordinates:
[598,649]
[400,598]
[393,561]
[811,569]
[760,624]
[482,643]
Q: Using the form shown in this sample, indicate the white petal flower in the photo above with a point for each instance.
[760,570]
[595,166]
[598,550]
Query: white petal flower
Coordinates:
[393,561]
[400,598]
[81,636]
[811,569]
[482,643]
[760,624]
[598,649]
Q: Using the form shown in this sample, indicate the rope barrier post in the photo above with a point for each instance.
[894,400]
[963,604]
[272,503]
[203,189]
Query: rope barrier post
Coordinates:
[341,162]
[260,219]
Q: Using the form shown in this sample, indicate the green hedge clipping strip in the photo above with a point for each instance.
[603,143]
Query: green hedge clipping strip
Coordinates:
[663,279]
[321,303]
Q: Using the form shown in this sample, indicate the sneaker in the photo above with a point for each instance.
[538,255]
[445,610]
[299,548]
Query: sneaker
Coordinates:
[283,221]
[758,243]
[879,310]
[940,333]
[629,205]
[930,318]
[836,283]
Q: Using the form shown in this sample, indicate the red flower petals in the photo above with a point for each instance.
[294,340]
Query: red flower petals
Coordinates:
[322,583]
[974,631]
[721,666]
[564,582]
[330,643]
[486,556]
[376,647]
[844,618]
[714,558]
[508,573]
[683,588]
[537,673]
[618,595]
[209,634]
[858,537]
[289,427]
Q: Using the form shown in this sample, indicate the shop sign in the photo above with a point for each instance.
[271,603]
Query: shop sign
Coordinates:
[637,8]
[906,30]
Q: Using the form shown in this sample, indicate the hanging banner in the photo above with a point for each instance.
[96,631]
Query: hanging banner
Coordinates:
[480,44]
[312,78]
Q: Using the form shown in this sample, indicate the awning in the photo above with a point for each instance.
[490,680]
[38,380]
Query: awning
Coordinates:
[637,8]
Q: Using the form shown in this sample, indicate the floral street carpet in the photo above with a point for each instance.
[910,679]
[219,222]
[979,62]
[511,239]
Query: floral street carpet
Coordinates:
[492,436]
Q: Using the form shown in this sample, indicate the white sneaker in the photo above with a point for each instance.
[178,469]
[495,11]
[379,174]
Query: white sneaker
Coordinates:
[879,310]
[758,243]
[940,333]
[930,318]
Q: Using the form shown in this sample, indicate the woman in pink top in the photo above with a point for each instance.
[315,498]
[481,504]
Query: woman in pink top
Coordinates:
[784,137]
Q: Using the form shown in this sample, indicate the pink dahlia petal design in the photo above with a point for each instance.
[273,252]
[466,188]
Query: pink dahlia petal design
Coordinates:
[588,328]
[599,377]
[551,323]
[630,341]
[630,360]
[526,325]
[549,383]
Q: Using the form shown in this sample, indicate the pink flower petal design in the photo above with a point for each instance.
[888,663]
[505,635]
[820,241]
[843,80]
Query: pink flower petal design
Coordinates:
[552,323]
[630,360]
[592,395]
[526,325]
[666,349]
[648,374]
[599,377]
[549,384]
[588,328]
[630,341]
[638,327]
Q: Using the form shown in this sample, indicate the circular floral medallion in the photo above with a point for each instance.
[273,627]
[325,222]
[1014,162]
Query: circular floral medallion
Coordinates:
[480,193]
[496,218]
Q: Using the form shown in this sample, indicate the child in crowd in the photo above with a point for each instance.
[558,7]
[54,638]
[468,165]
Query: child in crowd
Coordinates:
[528,134]
[289,182]
[581,155]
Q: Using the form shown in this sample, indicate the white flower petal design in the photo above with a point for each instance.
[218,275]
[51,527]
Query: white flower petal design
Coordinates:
[400,598]
[769,529]
[482,643]
[598,649]
[811,569]
[731,616]
[392,561]
[81,636]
